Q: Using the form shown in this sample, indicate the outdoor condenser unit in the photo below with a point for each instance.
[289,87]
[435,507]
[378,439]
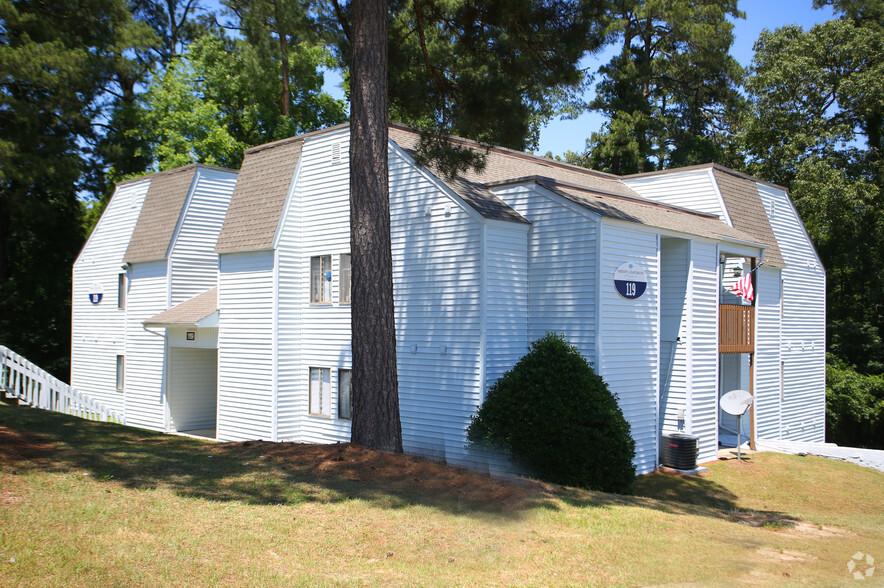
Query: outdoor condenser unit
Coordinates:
[680,451]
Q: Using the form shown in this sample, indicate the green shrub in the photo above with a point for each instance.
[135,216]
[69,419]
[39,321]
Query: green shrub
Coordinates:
[556,416]
[854,406]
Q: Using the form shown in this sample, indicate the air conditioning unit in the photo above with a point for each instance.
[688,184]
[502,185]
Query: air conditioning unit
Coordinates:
[680,451]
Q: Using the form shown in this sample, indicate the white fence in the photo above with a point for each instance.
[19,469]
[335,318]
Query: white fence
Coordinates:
[31,385]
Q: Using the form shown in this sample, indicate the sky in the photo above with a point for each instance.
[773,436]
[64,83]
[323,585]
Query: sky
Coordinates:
[570,135]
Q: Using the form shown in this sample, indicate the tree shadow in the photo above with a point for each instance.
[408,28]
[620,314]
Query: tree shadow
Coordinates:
[264,473]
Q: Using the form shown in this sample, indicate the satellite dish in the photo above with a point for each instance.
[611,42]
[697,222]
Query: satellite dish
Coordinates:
[736,402]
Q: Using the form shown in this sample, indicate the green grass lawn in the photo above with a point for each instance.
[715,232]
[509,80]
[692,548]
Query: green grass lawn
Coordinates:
[96,504]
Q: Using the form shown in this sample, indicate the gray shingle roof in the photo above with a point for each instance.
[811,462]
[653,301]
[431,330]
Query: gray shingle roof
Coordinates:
[469,187]
[265,179]
[188,313]
[159,214]
[162,208]
[505,164]
[743,203]
[258,199]
[740,195]
[653,214]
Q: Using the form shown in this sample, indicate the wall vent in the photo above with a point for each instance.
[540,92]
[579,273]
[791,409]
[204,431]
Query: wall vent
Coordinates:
[336,153]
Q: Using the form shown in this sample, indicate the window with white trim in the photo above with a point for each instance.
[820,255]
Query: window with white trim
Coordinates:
[344,279]
[320,279]
[320,392]
[121,372]
[121,291]
[344,406]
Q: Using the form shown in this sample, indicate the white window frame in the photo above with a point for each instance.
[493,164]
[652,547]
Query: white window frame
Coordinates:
[345,397]
[122,284]
[121,373]
[345,278]
[320,284]
[319,392]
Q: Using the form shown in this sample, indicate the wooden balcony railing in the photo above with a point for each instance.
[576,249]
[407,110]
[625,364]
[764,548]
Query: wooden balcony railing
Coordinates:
[736,332]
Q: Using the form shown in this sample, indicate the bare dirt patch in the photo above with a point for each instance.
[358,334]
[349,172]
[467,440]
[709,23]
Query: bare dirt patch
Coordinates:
[397,472]
[762,519]
[790,555]
[7,498]
[808,530]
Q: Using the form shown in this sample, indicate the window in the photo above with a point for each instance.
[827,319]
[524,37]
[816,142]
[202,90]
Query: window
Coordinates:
[344,409]
[782,380]
[320,391]
[320,279]
[344,278]
[121,372]
[121,291]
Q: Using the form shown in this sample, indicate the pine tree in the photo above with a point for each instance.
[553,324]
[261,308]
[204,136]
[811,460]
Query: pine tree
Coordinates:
[670,94]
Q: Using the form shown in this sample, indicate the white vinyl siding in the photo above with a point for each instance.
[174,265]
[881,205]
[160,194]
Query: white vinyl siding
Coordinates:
[192,261]
[245,346]
[293,290]
[437,262]
[506,297]
[437,278]
[675,258]
[98,330]
[803,327]
[629,336]
[767,354]
[562,266]
[316,225]
[703,348]
[694,189]
[145,347]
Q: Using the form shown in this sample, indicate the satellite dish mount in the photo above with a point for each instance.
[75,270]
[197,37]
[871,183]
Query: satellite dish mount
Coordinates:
[737,402]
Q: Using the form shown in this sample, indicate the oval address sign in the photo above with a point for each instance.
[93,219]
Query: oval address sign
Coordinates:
[96,292]
[630,280]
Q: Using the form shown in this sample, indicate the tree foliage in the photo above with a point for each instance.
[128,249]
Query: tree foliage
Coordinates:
[670,95]
[555,415]
[57,57]
[487,70]
[223,95]
[815,126]
[854,406]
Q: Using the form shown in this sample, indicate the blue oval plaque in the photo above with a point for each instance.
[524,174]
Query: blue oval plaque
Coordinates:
[96,293]
[630,280]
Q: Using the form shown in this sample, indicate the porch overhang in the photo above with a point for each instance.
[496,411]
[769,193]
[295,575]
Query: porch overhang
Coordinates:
[201,311]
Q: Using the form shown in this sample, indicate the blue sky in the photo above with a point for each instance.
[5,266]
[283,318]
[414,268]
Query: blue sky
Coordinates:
[561,136]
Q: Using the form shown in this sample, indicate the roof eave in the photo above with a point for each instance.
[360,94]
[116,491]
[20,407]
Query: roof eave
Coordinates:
[207,322]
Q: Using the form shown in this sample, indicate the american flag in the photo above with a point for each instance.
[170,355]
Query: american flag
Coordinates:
[743,287]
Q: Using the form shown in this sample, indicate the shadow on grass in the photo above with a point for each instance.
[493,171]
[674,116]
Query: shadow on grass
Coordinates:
[257,472]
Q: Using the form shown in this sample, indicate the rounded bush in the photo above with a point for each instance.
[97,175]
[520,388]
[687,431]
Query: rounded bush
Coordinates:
[556,416]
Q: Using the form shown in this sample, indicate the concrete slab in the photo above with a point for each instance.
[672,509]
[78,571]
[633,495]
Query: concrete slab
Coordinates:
[691,472]
[868,458]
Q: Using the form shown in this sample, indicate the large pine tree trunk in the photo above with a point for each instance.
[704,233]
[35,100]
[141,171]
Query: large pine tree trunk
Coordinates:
[375,388]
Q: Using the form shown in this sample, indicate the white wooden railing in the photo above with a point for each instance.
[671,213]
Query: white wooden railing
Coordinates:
[36,387]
